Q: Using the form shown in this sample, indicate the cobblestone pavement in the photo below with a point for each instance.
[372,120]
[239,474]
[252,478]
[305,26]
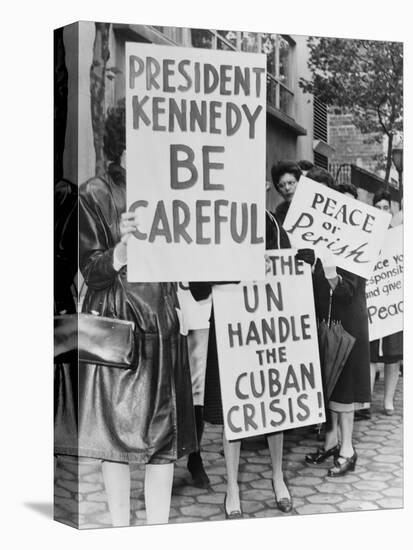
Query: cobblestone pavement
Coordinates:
[377,482]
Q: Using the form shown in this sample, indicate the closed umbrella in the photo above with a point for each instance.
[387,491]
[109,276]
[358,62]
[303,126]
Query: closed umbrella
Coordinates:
[335,345]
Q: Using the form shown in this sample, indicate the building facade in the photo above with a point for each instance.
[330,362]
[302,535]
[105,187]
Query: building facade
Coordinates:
[296,124]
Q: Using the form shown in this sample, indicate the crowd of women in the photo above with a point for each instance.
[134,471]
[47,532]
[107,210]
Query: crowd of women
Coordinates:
[154,413]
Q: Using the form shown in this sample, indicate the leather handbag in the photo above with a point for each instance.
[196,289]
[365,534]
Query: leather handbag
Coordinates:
[94,339]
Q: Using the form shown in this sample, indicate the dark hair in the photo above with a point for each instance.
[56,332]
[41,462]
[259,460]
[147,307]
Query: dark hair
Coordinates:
[348,188]
[322,176]
[382,195]
[114,137]
[284,167]
[305,164]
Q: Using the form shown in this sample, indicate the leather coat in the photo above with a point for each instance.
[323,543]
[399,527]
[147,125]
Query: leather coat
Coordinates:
[144,414]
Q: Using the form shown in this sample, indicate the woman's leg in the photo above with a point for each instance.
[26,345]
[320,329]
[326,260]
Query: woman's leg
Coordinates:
[276,445]
[331,438]
[158,491]
[346,422]
[391,376]
[116,476]
[231,454]
[373,371]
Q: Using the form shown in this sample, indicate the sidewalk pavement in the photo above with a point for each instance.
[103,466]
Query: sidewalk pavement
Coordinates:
[377,482]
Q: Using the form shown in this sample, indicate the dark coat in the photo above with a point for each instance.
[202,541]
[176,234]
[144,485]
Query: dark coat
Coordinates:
[274,234]
[144,414]
[282,210]
[349,307]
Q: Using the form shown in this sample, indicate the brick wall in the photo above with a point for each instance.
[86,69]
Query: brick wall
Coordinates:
[349,144]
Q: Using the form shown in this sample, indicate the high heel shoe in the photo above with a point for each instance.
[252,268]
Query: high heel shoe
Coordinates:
[321,455]
[341,467]
[285,504]
[235,514]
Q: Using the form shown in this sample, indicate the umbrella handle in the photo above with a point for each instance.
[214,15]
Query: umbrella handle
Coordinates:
[329,307]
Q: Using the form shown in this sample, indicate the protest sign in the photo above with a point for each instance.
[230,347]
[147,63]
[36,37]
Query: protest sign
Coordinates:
[324,219]
[384,289]
[196,314]
[268,351]
[195,157]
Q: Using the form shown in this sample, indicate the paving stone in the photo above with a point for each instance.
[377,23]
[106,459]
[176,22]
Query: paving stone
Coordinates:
[210,498]
[67,504]
[305,481]
[64,474]
[398,483]
[94,477]
[389,459]
[334,488]
[356,505]
[324,499]
[292,465]
[392,449]
[98,496]
[348,478]
[253,468]
[250,506]
[179,500]
[216,470]
[381,467]
[258,459]
[85,488]
[72,486]
[375,439]
[366,445]
[301,491]
[394,492]
[375,476]
[370,485]
[315,509]
[246,477]
[86,507]
[270,513]
[193,510]
[257,495]
[355,494]
[261,484]
[221,488]
[188,490]
[390,502]
[211,457]
[60,492]
[215,479]
[317,472]
[302,450]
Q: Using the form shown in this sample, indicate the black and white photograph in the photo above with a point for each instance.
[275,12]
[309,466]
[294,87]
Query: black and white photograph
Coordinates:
[228,274]
[205,248]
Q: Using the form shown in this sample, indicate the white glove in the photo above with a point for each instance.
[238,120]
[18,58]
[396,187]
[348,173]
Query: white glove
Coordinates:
[329,264]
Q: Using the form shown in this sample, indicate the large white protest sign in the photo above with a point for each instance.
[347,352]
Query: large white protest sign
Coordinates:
[384,289]
[195,157]
[351,230]
[268,351]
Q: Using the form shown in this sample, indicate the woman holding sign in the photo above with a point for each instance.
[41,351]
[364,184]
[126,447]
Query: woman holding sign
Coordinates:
[392,345]
[213,413]
[342,293]
[142,414]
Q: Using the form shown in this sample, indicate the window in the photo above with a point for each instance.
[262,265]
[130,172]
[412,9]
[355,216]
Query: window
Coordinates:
[278,48]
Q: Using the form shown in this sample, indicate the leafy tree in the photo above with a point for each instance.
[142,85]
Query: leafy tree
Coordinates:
[363,78]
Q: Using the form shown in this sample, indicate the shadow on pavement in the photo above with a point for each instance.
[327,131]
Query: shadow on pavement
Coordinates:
[43,508]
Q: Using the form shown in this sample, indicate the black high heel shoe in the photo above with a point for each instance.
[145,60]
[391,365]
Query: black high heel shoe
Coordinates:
[341,467]
[321,455]
[235,514]
[284,504]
